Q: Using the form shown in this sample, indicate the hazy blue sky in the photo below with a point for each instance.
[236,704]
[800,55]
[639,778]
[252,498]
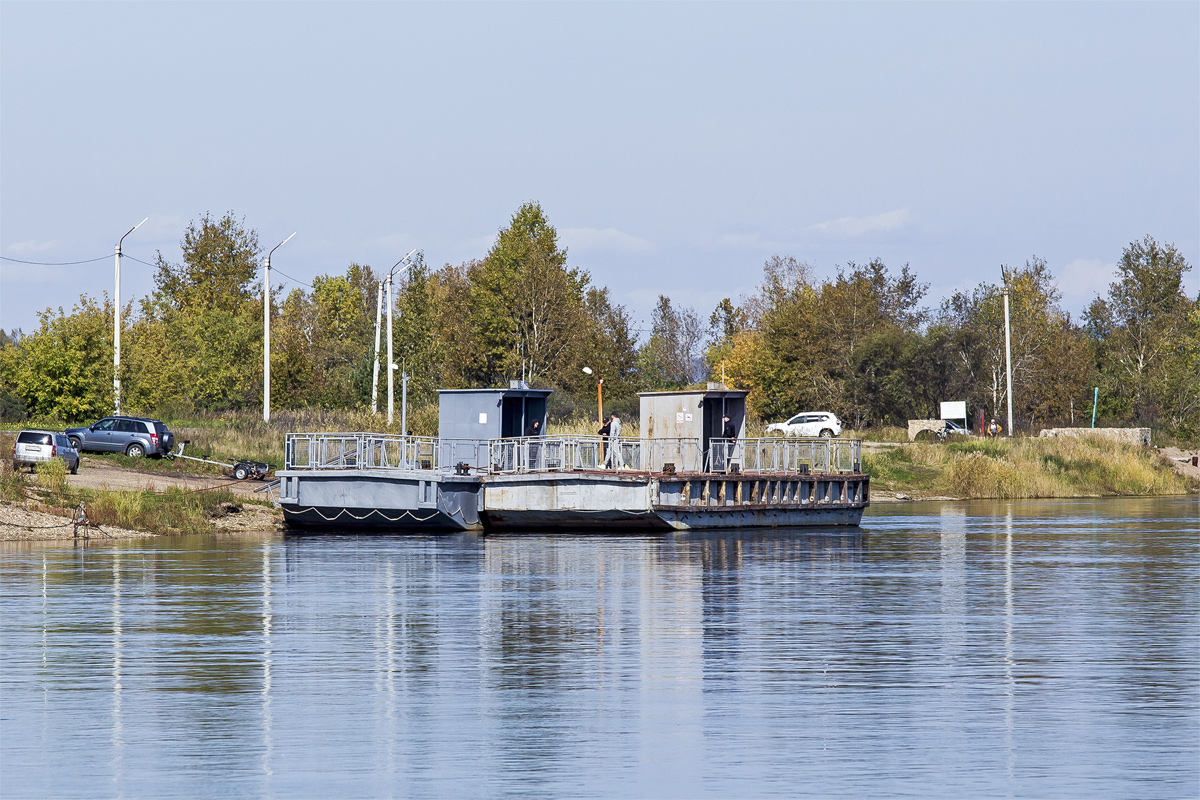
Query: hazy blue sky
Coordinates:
[675,146]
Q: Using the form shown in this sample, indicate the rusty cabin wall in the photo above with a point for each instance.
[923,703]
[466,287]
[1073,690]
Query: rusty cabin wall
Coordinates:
[672,415]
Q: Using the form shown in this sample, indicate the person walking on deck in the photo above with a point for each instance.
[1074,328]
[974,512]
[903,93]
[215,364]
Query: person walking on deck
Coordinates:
[614,442]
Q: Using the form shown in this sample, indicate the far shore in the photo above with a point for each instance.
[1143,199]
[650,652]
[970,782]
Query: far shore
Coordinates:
[900,473]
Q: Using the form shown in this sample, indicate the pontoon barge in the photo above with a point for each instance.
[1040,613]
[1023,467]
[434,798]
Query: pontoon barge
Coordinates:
[665,480]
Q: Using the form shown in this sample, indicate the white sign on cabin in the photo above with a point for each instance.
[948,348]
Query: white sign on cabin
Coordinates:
[954,410]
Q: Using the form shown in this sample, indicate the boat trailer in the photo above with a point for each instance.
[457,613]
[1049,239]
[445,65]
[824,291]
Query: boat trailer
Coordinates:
[243,468]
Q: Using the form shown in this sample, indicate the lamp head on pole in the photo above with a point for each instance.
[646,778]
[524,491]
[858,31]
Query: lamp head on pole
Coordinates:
[410,254]
[281,244]
[131,230]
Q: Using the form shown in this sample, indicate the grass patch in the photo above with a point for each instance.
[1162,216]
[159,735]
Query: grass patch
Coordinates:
[52,476]
[13,484]
[172,512]
[1025,468]
[898,470]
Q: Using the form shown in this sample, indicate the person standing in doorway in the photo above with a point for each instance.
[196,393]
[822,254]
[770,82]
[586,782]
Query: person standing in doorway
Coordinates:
[532,431]
[614,442]
[729,434]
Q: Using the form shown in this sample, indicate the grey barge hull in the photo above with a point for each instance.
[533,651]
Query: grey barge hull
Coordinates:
[391,499]
[605,501]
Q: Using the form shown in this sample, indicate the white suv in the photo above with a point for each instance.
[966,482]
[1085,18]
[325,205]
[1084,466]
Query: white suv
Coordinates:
[810,423]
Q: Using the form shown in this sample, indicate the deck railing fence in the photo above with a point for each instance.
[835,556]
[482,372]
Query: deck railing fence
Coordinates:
[345,451]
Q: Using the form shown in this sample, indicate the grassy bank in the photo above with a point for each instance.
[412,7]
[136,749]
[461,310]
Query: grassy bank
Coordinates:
[169,512]
[1024,468]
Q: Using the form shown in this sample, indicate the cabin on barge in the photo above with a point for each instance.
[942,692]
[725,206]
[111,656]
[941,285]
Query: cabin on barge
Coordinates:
[680,474]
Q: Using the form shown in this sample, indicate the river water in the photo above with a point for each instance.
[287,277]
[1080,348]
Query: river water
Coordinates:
[957,650]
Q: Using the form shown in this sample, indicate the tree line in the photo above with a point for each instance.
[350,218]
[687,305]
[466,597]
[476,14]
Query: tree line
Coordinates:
[864,342]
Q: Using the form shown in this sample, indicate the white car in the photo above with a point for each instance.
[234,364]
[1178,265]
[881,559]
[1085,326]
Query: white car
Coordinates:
[810,423]
[36,447]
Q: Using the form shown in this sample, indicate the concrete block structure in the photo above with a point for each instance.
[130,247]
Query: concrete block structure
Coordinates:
[1135,436]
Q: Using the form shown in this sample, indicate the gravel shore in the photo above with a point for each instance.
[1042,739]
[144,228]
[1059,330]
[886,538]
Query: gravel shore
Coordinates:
[22,524]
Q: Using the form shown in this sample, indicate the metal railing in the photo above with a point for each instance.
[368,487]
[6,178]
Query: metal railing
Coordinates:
[571,453]
[562,454]
[334,451]
[784,455]
[343,451]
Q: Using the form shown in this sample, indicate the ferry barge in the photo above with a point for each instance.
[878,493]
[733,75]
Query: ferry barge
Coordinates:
[477,475]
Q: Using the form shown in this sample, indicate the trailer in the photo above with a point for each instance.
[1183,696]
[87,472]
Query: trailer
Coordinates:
[243,468]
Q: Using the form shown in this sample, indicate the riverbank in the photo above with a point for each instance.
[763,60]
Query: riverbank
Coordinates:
[124,503]
[129,503]
[1012,469]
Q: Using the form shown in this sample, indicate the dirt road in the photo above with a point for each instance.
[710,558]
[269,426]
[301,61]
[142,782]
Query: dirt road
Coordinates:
[100,474]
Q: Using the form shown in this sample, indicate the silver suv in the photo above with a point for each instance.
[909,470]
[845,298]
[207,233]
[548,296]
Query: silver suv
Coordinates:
[133,436]
[38,447]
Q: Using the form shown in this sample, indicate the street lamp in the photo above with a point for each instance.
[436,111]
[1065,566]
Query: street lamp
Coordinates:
[391,365]
[267,331]
[117,324]
[599,396]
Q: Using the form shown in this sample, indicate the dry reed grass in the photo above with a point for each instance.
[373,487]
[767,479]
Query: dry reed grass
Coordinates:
[1026,468]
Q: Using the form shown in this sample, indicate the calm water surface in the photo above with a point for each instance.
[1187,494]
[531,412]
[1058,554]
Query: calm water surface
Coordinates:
[955,650]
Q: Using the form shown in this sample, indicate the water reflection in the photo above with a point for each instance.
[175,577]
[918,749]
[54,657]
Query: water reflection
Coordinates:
[951,651]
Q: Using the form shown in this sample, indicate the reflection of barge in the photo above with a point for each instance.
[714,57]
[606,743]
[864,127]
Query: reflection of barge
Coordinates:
[478,475]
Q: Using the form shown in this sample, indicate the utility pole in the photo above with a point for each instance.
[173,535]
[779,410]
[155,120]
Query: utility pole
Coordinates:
[391,363]
[375,365]
[1008,360]
[267,331]
[117,324]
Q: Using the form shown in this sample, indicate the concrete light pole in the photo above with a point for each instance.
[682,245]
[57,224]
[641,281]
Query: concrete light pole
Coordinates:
[1008,360]
[375,363]
[267,331]
[117,324]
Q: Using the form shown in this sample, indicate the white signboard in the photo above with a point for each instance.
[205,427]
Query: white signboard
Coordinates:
[954,410]
[483,418]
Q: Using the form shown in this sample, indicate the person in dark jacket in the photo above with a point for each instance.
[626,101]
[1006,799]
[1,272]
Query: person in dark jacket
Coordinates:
[729,434]
[603,433]
[534,429]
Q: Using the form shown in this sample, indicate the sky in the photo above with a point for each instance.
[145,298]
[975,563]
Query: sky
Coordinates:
[675,146]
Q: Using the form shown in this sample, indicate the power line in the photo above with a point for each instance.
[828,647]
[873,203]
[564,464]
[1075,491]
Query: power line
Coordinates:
[281,272]
[56,263]
[290,278]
